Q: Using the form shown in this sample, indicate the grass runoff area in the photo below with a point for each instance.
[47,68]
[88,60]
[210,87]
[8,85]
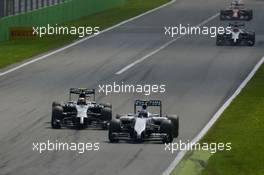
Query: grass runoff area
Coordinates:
[17,50]
[242,124]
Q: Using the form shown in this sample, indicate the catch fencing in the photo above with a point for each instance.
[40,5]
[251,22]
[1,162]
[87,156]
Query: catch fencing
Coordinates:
[14,7]
[28,13]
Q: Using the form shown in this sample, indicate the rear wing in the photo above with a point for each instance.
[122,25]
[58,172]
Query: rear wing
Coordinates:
[237,3]
[83,91]
[153,103]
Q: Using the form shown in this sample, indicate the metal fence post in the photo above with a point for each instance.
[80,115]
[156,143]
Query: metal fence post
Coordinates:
[6,7]
[2,9]
[13,7]
[37,4]
[31,5]
[19,6]
[26,5]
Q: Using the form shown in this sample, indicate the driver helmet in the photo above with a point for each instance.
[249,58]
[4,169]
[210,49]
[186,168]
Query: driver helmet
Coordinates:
[143,113]
[81,101]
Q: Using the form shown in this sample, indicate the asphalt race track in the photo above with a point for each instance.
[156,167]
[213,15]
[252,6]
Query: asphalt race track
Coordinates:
[199,77]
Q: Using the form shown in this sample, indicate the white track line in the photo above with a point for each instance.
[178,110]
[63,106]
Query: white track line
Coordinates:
[181,154]
[82,40]
[161,47]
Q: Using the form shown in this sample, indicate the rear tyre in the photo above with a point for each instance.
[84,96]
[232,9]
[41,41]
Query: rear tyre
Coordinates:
[252,40]
[55,103]
[175,122]
[222,15]
[166,127]
[56,117]
[106,114]
[250,15]
[106,118]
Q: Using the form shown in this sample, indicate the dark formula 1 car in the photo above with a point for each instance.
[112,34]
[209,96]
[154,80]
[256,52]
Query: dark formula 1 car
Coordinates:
[236,11]
[143,125]
[239,36]
[81,113]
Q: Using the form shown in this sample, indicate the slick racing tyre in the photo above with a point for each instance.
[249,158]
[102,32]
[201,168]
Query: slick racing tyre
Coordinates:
[114,127]
[54,104]
[175,122]
[56,117]
[166,127]
[106,114]
[251,41]
[250,15]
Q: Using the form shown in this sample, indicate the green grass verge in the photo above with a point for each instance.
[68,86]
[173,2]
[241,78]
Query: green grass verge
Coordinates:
[242,124]
[21,49]
[192,163]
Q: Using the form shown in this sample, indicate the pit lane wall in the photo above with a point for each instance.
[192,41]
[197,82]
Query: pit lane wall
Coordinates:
[57,14]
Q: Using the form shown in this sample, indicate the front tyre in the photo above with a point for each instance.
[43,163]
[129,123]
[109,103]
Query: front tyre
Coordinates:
[114,128]
[251,41]
[56,117]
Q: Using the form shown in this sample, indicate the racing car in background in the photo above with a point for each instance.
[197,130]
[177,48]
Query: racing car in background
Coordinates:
[82,112]
[239,36]
[236,11]
[143,125]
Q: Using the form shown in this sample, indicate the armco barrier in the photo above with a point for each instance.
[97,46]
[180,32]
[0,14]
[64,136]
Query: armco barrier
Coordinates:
[56,14]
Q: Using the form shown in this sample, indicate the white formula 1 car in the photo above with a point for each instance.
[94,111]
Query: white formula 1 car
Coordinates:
[81,113]
[143,125]
[239,36]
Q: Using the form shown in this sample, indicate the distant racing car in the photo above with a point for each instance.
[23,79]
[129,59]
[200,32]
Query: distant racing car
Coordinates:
[143,125]
[82,112]
[239,36]
[236,11]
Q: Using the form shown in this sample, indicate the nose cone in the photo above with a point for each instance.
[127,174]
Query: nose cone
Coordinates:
[140,126]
